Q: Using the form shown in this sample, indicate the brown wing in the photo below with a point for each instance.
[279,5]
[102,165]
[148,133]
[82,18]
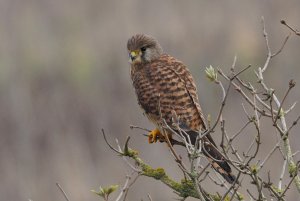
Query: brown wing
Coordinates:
[177,92]
[165,85]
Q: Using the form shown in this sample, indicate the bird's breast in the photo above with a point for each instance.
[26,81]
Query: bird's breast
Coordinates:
[146,92]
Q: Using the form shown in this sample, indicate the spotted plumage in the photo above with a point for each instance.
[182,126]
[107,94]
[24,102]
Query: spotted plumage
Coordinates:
[164,87]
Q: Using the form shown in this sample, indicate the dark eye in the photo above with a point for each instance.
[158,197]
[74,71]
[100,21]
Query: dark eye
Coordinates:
[143,49]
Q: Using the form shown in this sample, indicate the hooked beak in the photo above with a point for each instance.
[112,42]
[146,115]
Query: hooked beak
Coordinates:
[133,55]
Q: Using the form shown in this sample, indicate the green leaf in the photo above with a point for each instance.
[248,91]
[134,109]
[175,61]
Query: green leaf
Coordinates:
[105,192]
[211,73]
[101,192]
[111,189]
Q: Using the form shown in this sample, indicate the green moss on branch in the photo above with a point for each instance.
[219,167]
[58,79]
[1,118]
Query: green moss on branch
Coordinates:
[185,188]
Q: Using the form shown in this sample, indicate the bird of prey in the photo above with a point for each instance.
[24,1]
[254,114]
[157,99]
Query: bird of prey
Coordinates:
[165,88]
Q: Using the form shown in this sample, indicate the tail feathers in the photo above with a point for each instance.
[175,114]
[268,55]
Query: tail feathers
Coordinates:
[227,175]
[217,161]
[214,156]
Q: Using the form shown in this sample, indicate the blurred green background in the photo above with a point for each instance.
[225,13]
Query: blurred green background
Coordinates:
[64,75]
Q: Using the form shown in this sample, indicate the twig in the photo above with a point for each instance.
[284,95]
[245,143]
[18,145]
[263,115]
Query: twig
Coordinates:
[124,188]
[239,132]
[291,85]
[129,186]
[256,122]
[238,89]
[148,195]
[231,187]
[62,191]
[224,135]
[240,72]
[177,158]
[291,108]
[215,181]
[203,170]
[291,28]
[109,145]
[282,46]
[291,181]
[249,149]
[284,130]
[251,89]
[225,95]
[282,174]
[269,155]
[250,194]
[297,152]
[233,64]
[267,43]
[270,55]
[138,127]
[293,124]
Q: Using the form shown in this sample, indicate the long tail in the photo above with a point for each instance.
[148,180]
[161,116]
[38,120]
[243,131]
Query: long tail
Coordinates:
[214,156]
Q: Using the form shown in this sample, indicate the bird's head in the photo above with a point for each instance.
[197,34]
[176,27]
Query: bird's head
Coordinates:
[143,49]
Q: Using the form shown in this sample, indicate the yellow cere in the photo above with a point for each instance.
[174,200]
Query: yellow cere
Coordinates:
[134,53]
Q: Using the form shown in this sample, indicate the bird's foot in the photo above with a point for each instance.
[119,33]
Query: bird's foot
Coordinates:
[155,135]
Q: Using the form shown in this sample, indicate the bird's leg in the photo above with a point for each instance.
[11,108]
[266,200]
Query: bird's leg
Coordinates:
[155,135]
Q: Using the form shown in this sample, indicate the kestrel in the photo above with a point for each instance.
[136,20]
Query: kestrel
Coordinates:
[166,91]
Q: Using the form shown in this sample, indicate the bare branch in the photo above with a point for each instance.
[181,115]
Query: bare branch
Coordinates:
[293,124]
[238,89]
[267,44]
[291,108]
[233,64]
[138,127]
[270,55]
[225,95]
[291,85]
[293,178]
[282,46]
[124,189]
[177,158]
[239,132]
[110,146]
[62,191]
[269,155]
[291,28]
[148,195]
[282,174]
[129,186]
[283,130]
[240,72]
[263,105]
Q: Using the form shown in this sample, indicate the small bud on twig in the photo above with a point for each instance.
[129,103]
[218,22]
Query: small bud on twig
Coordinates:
[292,83]
[211,73]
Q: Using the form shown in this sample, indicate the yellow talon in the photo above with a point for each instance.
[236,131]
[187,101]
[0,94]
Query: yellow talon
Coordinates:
[154,135]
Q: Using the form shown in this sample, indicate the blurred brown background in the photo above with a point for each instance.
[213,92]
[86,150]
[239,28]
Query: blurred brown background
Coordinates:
[64,76]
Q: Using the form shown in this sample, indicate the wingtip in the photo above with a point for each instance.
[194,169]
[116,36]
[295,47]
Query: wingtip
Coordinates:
[230,178]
